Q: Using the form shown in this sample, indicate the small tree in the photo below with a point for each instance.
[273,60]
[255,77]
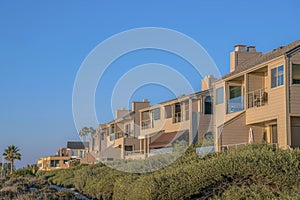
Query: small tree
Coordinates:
[11,154]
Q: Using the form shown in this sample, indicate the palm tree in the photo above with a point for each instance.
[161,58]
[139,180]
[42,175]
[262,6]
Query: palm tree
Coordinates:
[85,131]
[11,154]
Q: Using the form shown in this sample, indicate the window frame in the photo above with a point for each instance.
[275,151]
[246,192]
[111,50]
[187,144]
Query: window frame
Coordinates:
[205,106]
[277,76]
[295,81]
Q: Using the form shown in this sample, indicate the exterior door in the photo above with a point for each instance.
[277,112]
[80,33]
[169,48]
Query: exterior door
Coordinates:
[295,139]
[274,135]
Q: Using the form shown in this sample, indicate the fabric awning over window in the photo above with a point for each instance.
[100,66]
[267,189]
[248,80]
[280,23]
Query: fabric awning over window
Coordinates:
[166,139]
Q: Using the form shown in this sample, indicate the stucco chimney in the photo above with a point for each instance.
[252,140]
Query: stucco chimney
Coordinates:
[240,47]
[207,82]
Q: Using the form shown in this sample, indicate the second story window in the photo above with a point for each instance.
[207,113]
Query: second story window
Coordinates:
[208,106]
[146,121]
[168,111]
[177,117]
[127,129]
[220,95]
[296,74]
[277,77]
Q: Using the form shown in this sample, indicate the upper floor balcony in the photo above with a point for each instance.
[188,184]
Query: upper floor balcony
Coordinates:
[257,98]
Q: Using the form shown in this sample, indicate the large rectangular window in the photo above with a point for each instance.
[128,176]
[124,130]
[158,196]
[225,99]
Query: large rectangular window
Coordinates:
[277,76]
[296,74]
[220,95]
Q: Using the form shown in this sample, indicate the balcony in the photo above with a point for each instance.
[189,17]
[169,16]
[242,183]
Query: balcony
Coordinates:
[235,104]
[257,98]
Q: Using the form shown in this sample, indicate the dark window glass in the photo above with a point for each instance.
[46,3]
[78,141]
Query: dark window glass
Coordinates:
[208,106]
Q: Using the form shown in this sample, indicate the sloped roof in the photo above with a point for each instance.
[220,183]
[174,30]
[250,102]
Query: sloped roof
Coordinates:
[263,58]
[77,145]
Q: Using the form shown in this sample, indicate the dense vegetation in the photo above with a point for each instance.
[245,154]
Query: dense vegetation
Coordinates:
[250,172]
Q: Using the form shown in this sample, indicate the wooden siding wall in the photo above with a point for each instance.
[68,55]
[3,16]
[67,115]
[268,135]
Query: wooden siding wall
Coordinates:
[256,81]
[237,132]
[295,99]
[295,89]
[275,109]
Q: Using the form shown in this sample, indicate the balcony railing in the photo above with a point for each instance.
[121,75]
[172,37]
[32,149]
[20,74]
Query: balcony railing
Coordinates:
[235,104]
[121,134]
[257,98]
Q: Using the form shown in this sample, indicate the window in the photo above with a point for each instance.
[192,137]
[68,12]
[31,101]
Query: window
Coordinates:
[108,131]
[277,76]
[207,106]
[220,95]
[156,114]
[177,113]
[296,74]
[168,111]
[127,129]
[113,129]
[235,91]
[112,135]
[146,120]
[128,148]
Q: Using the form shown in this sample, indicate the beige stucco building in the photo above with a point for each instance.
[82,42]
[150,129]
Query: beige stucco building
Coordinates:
[145,130]
[261,92]
[64,156]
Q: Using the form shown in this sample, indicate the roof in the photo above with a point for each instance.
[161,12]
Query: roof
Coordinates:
[166,139]
[179,99]
[282,50]
[77,145]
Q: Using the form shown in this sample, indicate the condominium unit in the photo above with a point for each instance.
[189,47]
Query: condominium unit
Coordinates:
[119,138]
[64,156]
[146,130]
[187,118]
[261,92]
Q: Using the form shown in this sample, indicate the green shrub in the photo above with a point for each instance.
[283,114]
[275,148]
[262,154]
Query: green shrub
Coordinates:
[254,171]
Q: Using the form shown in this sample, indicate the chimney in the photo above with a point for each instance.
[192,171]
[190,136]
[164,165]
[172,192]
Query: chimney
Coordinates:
[137,105]
[240,48]
[241,54]
[121,113]
[251,49]
[208,82]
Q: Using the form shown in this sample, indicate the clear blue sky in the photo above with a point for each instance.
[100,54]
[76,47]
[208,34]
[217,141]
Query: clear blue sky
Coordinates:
[43,43]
